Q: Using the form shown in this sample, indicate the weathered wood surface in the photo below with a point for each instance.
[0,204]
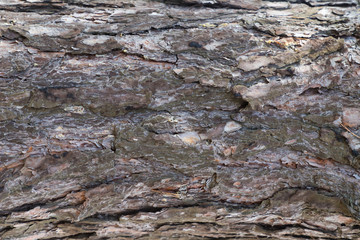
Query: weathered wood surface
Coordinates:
[114,113]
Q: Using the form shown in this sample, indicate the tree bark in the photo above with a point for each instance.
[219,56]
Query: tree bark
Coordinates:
[186,119]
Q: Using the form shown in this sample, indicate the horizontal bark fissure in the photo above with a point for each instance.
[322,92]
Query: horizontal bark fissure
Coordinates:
[29,206]
[76,236]
[218,5]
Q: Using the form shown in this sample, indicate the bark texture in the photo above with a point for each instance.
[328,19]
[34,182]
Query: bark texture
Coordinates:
[116,115]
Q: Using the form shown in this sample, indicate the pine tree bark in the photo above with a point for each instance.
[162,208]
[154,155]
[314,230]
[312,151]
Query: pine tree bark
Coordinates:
[184,119]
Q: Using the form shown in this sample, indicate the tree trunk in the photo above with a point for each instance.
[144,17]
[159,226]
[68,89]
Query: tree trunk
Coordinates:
[186,119]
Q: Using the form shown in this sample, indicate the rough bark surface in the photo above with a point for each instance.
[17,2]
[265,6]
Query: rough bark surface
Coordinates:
[116,115]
